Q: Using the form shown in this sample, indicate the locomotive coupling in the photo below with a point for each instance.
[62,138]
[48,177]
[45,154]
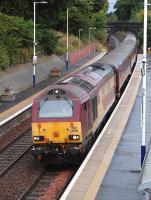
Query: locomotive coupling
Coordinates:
[37,151]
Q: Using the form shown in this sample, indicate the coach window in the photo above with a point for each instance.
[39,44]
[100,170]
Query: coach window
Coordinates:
[94,106]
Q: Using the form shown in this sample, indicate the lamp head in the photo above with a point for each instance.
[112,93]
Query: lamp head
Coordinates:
[42,2]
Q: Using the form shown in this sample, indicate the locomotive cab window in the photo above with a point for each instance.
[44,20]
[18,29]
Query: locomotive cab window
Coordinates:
[53,108]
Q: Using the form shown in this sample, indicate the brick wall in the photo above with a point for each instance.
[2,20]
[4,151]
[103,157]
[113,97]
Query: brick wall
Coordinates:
[76,56]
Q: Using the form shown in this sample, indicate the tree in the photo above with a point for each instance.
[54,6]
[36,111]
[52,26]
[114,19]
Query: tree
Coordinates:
[3,56]
[16,25]
[124,8]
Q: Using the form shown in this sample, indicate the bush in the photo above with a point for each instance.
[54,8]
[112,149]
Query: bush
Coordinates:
[3,57]
[101,35]
[48,39]
[60,50]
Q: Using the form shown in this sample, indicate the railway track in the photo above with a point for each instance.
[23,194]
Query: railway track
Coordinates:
[21,177]
[14,150]
[48,185]
[29,180]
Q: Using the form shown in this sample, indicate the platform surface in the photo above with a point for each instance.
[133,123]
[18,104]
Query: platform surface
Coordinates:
[122,178]
[111,171]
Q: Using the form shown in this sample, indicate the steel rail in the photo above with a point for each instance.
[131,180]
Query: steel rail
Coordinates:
[8,162]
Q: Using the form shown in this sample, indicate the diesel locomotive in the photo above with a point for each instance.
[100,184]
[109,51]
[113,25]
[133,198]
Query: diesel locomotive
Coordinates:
[67,115]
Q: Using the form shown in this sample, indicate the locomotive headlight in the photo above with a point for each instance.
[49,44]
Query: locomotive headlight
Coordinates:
[56,91]
[74,137]
[38,138]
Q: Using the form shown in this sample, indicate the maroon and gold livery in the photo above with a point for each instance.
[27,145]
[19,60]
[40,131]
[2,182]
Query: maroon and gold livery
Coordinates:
[67,115]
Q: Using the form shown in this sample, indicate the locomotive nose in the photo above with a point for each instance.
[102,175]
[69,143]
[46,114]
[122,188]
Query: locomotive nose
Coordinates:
[56,132]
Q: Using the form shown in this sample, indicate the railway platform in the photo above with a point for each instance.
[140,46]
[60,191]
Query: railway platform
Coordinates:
[111,170]
[25,98]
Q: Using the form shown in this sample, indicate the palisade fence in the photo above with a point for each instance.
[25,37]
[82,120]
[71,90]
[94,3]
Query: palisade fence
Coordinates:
[23,55]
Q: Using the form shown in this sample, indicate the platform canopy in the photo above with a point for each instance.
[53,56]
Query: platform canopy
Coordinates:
[145,178]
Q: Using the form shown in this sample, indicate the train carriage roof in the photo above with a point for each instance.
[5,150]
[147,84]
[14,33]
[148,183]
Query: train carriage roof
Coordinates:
[95,73]
[123,50]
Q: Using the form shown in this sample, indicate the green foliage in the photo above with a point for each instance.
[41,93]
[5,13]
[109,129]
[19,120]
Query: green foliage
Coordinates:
[125,8]
[53,14]
[82,20]
[16,25]
[112,17]
[134,11]
[47,39]
[15,33]
[99,20]
[3,56]
[16,36]
[101,35]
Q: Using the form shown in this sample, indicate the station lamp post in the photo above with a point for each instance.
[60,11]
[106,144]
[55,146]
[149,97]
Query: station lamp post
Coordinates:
[34,42]
[143,71]
[67,48]
[90,36]
[80,41]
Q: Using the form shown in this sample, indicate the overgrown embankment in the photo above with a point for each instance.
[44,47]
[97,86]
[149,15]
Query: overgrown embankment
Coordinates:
[16,27]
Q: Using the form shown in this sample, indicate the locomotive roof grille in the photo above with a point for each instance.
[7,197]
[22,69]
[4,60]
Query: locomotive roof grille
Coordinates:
[83,84]
[93,74]
[86,86]
[76,81]
[98,66]
[97,70]
[79,82]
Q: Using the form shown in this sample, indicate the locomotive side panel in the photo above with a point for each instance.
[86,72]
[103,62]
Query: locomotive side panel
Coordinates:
[101,102]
